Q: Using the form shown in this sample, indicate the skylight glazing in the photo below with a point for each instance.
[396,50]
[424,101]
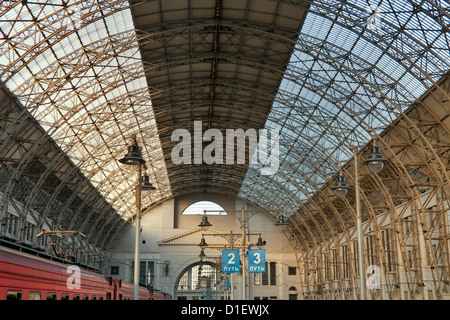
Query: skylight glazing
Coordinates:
[349,77]
[76,66]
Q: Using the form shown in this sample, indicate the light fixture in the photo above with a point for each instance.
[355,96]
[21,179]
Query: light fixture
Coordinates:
[202,255]
[260,242]
[205,224]
[203,243]
[341,187]
[375,161]
[134,156]
[282,221]
[146,184]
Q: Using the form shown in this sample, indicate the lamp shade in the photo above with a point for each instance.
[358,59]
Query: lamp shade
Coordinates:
[145,183]
[203,243]
[260,243]
[341,187]
[205,224]
[133,157]
[282,221]
[375,161]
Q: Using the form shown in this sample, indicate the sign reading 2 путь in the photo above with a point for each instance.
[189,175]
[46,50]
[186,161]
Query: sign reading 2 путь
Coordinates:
[230,261]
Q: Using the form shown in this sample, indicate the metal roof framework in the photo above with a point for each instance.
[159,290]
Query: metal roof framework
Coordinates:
[330,75]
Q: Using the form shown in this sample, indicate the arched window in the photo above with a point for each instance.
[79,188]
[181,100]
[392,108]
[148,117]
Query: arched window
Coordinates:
[293,293]
[200,276]
[197,208]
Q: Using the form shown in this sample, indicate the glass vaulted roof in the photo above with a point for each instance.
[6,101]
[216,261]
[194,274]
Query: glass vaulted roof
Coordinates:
[76,67]
[348,69]
[347,79]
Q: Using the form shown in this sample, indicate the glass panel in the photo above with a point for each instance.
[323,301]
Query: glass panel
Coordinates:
[198,208]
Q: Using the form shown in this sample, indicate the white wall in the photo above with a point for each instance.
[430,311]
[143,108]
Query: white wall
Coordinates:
[165,221]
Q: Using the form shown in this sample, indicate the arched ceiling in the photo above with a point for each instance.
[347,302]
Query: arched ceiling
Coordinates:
[95,73]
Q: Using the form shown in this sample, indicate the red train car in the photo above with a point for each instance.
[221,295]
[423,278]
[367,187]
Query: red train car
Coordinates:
[158,295]
[27,277]
[125,291]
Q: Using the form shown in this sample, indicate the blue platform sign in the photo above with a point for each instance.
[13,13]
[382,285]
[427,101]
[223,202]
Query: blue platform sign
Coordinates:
[256,260]
[230,261]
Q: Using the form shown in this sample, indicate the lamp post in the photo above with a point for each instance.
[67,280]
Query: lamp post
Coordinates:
[243,225]
[375,162]
[260,244]
[134,158]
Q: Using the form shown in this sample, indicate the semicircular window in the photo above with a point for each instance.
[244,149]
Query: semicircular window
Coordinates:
[198,208]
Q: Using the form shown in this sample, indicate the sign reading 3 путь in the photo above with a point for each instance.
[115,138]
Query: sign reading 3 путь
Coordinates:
[256,260]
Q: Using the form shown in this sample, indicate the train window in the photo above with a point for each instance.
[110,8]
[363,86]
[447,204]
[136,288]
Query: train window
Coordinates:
[34,296]
[64,296]
[13,295]
[51,296]
[76,297]
[85,297]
